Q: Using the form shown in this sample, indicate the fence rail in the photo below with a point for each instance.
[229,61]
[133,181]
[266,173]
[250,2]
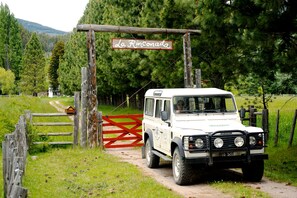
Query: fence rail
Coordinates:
[14,148]
[30,117]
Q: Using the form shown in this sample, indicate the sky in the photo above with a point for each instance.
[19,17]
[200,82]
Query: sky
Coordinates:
[58,14]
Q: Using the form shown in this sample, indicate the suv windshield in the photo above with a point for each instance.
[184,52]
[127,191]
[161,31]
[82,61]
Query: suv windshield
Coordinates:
[204,104]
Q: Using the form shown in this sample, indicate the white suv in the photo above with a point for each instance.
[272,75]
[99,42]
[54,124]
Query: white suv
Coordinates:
[201,127]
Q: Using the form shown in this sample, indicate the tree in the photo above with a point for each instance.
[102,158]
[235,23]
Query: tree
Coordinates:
[75,57]
[57,55]
[10,41]
[33,68]
[217,46]
[6,81]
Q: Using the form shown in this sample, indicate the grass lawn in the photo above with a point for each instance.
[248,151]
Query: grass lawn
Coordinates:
[92,173]
[87,173]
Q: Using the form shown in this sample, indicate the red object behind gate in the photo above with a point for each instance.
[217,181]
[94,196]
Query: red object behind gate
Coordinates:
[122,131]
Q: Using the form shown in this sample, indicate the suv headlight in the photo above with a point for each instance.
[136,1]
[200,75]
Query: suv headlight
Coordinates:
[199,143]
[256,140]
[193,143]
[239,141]
[218,142]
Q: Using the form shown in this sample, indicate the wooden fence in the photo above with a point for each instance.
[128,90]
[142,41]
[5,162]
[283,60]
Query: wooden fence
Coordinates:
[252,121]
[73,133]
[14,148]
[292,131]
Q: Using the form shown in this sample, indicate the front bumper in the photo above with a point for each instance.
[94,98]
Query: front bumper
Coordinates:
[226,161]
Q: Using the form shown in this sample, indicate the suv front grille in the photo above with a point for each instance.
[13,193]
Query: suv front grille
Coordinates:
[228,138]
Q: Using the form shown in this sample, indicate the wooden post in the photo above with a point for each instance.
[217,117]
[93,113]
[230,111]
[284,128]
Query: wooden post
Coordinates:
[28,116]
[5,165]
[276,129]
[100,129]
[76,119]
[92,92]
[83,120]
[198,78]
[188,79]
[293,129]
[265,122]
[252,116]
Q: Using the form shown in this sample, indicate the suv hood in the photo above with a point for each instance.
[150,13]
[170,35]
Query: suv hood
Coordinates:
[209,123]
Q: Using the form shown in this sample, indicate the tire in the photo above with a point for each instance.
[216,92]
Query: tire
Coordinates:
[152,160]
[182,172]
[254,171]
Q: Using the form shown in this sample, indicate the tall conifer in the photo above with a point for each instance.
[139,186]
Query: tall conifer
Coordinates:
[57,55]
[33,68]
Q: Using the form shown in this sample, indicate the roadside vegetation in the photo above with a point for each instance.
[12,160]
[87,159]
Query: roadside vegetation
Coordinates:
[56,172]
[282,163]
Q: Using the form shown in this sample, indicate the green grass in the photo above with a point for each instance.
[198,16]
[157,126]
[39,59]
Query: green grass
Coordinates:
[238,190]
[87,173]
[282,163]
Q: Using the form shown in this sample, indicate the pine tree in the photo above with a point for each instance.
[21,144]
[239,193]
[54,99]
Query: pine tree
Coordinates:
[33,68]
[10,41]
[57,54]
[4,29]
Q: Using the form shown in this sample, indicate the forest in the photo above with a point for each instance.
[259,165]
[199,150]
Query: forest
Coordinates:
[246,46]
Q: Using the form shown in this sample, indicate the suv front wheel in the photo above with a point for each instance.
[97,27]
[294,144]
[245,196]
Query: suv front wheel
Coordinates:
[182,172]
[152,160]
[254,171]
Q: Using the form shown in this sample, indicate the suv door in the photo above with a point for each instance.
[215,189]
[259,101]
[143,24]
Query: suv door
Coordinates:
[165,129]
[157,124]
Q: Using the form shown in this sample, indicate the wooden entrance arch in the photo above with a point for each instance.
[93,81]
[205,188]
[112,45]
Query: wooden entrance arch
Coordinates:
[92,113]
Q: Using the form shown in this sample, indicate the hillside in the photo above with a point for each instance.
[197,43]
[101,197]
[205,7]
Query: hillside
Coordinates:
[35,27]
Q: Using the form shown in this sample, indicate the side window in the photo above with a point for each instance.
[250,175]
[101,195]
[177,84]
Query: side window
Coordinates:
[167,107]
[149,107]
[158,108]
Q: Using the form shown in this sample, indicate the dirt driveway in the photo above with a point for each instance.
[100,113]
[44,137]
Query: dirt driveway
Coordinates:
[163,175]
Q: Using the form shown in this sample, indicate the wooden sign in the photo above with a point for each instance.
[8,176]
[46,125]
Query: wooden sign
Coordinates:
[70,110]
[140,44]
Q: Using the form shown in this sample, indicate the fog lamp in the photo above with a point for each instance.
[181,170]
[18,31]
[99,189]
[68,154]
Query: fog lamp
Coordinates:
[218,143]
[239,141]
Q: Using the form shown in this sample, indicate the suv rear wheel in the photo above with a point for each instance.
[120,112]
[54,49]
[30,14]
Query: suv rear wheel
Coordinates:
[152,160]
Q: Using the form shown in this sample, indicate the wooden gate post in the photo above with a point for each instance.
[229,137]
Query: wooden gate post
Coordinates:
[252,116]
[92,92]
[265,122]
[188,78]
[76,119]
[83,120]
[198,78]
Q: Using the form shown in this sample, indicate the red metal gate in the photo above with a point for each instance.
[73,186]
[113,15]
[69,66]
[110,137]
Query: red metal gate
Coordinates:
[122,131]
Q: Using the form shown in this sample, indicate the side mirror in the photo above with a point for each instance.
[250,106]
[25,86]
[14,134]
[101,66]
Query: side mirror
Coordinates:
[164,115]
